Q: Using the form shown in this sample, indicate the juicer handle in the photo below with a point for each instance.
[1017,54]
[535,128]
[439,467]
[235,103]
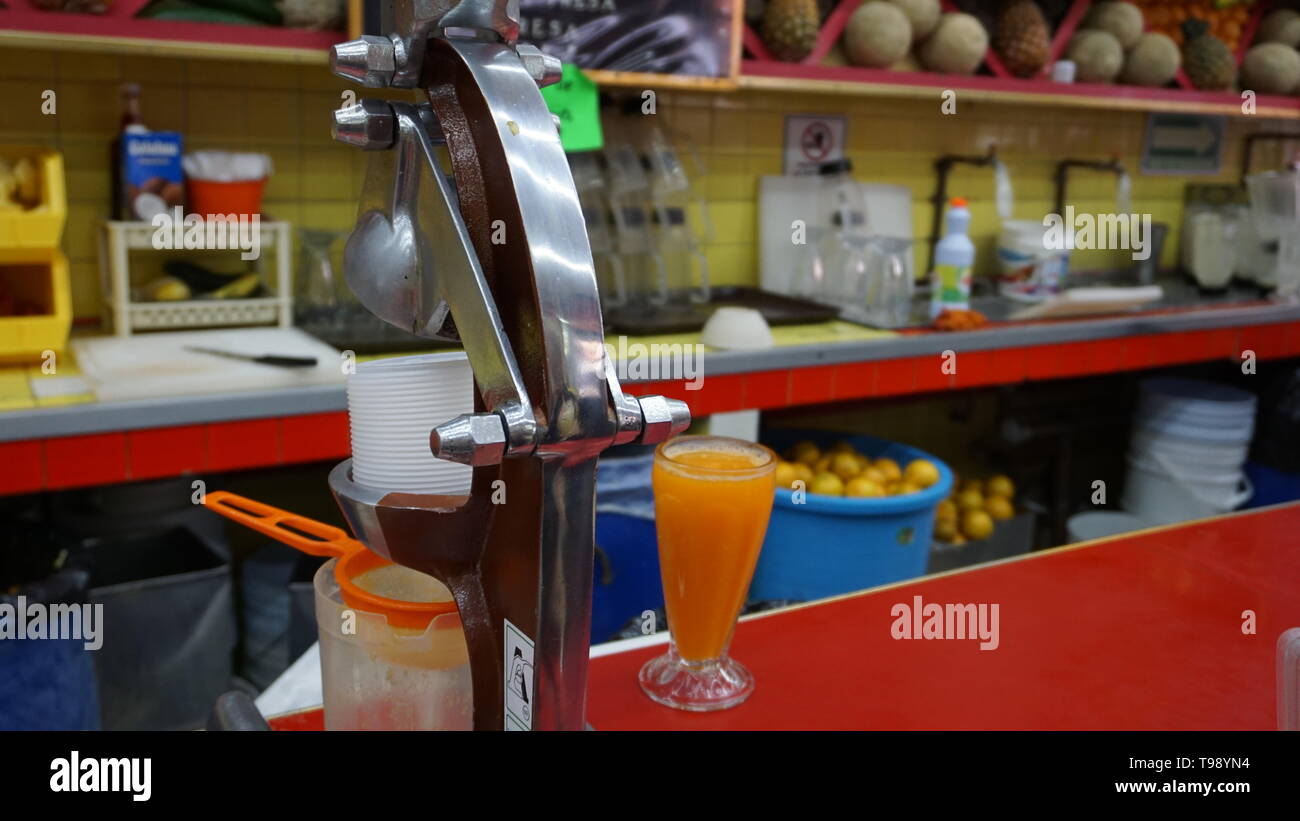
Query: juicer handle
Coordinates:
[308,535]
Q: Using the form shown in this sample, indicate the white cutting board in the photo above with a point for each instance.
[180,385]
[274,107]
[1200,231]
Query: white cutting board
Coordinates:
[1089,301]
[157,364]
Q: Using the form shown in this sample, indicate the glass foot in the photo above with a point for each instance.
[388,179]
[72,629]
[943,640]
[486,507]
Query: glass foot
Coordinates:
[703,686]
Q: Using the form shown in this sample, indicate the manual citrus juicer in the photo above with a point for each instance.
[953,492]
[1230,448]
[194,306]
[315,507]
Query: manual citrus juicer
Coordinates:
[501,264]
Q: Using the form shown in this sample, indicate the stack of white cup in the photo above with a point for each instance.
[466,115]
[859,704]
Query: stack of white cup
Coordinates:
[393,404]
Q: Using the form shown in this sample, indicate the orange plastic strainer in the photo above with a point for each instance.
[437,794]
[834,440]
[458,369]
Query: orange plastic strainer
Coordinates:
[319,539]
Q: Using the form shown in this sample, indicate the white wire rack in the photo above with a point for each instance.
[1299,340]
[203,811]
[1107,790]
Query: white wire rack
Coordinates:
[117,239]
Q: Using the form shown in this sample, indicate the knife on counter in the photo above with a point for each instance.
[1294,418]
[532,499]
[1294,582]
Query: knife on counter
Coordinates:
[264,359]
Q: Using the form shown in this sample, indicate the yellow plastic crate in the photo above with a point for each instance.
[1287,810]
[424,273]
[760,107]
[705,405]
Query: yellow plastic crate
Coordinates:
[38,227]
[33,279]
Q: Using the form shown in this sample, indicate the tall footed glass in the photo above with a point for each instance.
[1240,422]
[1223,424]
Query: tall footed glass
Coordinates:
[713,498]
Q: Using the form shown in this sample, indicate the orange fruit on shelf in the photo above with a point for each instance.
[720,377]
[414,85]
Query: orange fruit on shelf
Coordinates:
[976,524]
[863,488]
[805,452]
[786,475]
[999,507]
[827,484]
[945,529]
[845,465]
[890,469]
[947,509]
[970,500]
[921,472]
[803,473]
[1000,486]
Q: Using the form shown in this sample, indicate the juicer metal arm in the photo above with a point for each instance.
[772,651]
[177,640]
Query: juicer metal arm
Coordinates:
[410,261]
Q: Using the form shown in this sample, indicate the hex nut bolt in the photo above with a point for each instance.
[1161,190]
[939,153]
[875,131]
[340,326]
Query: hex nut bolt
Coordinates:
[470,439]
[544,68]
[369,124]
[663,418]
[368,60]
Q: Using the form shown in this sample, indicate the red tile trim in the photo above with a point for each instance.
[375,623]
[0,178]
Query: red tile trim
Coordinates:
[315,437]
[21,467]
[245,444]
[812,386]
[153,454]
[855,380]
[81,461]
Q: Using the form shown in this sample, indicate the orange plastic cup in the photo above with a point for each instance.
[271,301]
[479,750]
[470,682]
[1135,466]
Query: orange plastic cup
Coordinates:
[207,197]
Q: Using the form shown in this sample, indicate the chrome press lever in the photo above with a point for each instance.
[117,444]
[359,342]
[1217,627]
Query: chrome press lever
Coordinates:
[501,263]
[409,259]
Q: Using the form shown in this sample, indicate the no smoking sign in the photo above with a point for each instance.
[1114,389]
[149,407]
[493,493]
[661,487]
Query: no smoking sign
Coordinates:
[813,140]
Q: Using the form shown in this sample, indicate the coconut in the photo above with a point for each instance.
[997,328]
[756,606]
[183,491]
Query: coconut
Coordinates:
[1124,20]
[957,46]
[1154,61]
[1270,68]
[1097,55]
[922,14]
[877,35]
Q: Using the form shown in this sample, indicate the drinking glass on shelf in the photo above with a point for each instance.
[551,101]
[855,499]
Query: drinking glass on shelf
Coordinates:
[713,498]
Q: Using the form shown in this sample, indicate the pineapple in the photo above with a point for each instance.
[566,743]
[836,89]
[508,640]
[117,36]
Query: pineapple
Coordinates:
[790,28]
[1207,60]
[1021,38]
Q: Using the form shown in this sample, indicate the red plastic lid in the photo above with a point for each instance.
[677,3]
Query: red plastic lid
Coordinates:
[957,202]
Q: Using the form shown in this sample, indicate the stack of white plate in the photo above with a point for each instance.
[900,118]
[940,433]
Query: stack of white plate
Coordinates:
[393,404]
[1190,440]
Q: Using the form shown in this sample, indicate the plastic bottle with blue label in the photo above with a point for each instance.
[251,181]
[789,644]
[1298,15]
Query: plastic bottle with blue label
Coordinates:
[954,255]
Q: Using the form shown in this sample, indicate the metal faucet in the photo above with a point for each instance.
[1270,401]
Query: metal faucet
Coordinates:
[942,168]
[502,264]
[1063,175]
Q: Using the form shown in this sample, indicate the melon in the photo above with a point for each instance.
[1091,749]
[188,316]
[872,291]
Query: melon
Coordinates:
[1280,26]
[922,14]
[957,46]
[878,35]
[1124,20]
[1154,61]
[1270,68]
[1097,56]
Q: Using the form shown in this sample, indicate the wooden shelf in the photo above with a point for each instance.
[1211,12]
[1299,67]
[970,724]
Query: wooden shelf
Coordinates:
[800,78]
[764,72]
[120,32]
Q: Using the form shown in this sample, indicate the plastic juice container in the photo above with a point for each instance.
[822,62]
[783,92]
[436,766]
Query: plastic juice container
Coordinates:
[376,676]
[954,255]
[711,511]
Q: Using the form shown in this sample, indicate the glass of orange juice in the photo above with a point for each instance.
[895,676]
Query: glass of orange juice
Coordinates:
[713,497]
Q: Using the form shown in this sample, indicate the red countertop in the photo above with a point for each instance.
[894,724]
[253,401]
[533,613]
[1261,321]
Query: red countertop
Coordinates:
[1143,631]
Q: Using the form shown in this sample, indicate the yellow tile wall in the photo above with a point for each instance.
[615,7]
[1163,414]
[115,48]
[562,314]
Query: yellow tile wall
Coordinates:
[283,110]
[897,141]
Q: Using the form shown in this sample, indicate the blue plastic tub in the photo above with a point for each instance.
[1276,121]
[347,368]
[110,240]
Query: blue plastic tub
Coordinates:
[1272,487]
[830,545]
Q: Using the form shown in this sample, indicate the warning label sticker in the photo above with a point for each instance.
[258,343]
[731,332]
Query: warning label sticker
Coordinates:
[520,698]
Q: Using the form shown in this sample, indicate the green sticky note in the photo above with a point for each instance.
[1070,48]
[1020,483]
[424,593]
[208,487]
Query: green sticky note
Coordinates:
[575,100]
